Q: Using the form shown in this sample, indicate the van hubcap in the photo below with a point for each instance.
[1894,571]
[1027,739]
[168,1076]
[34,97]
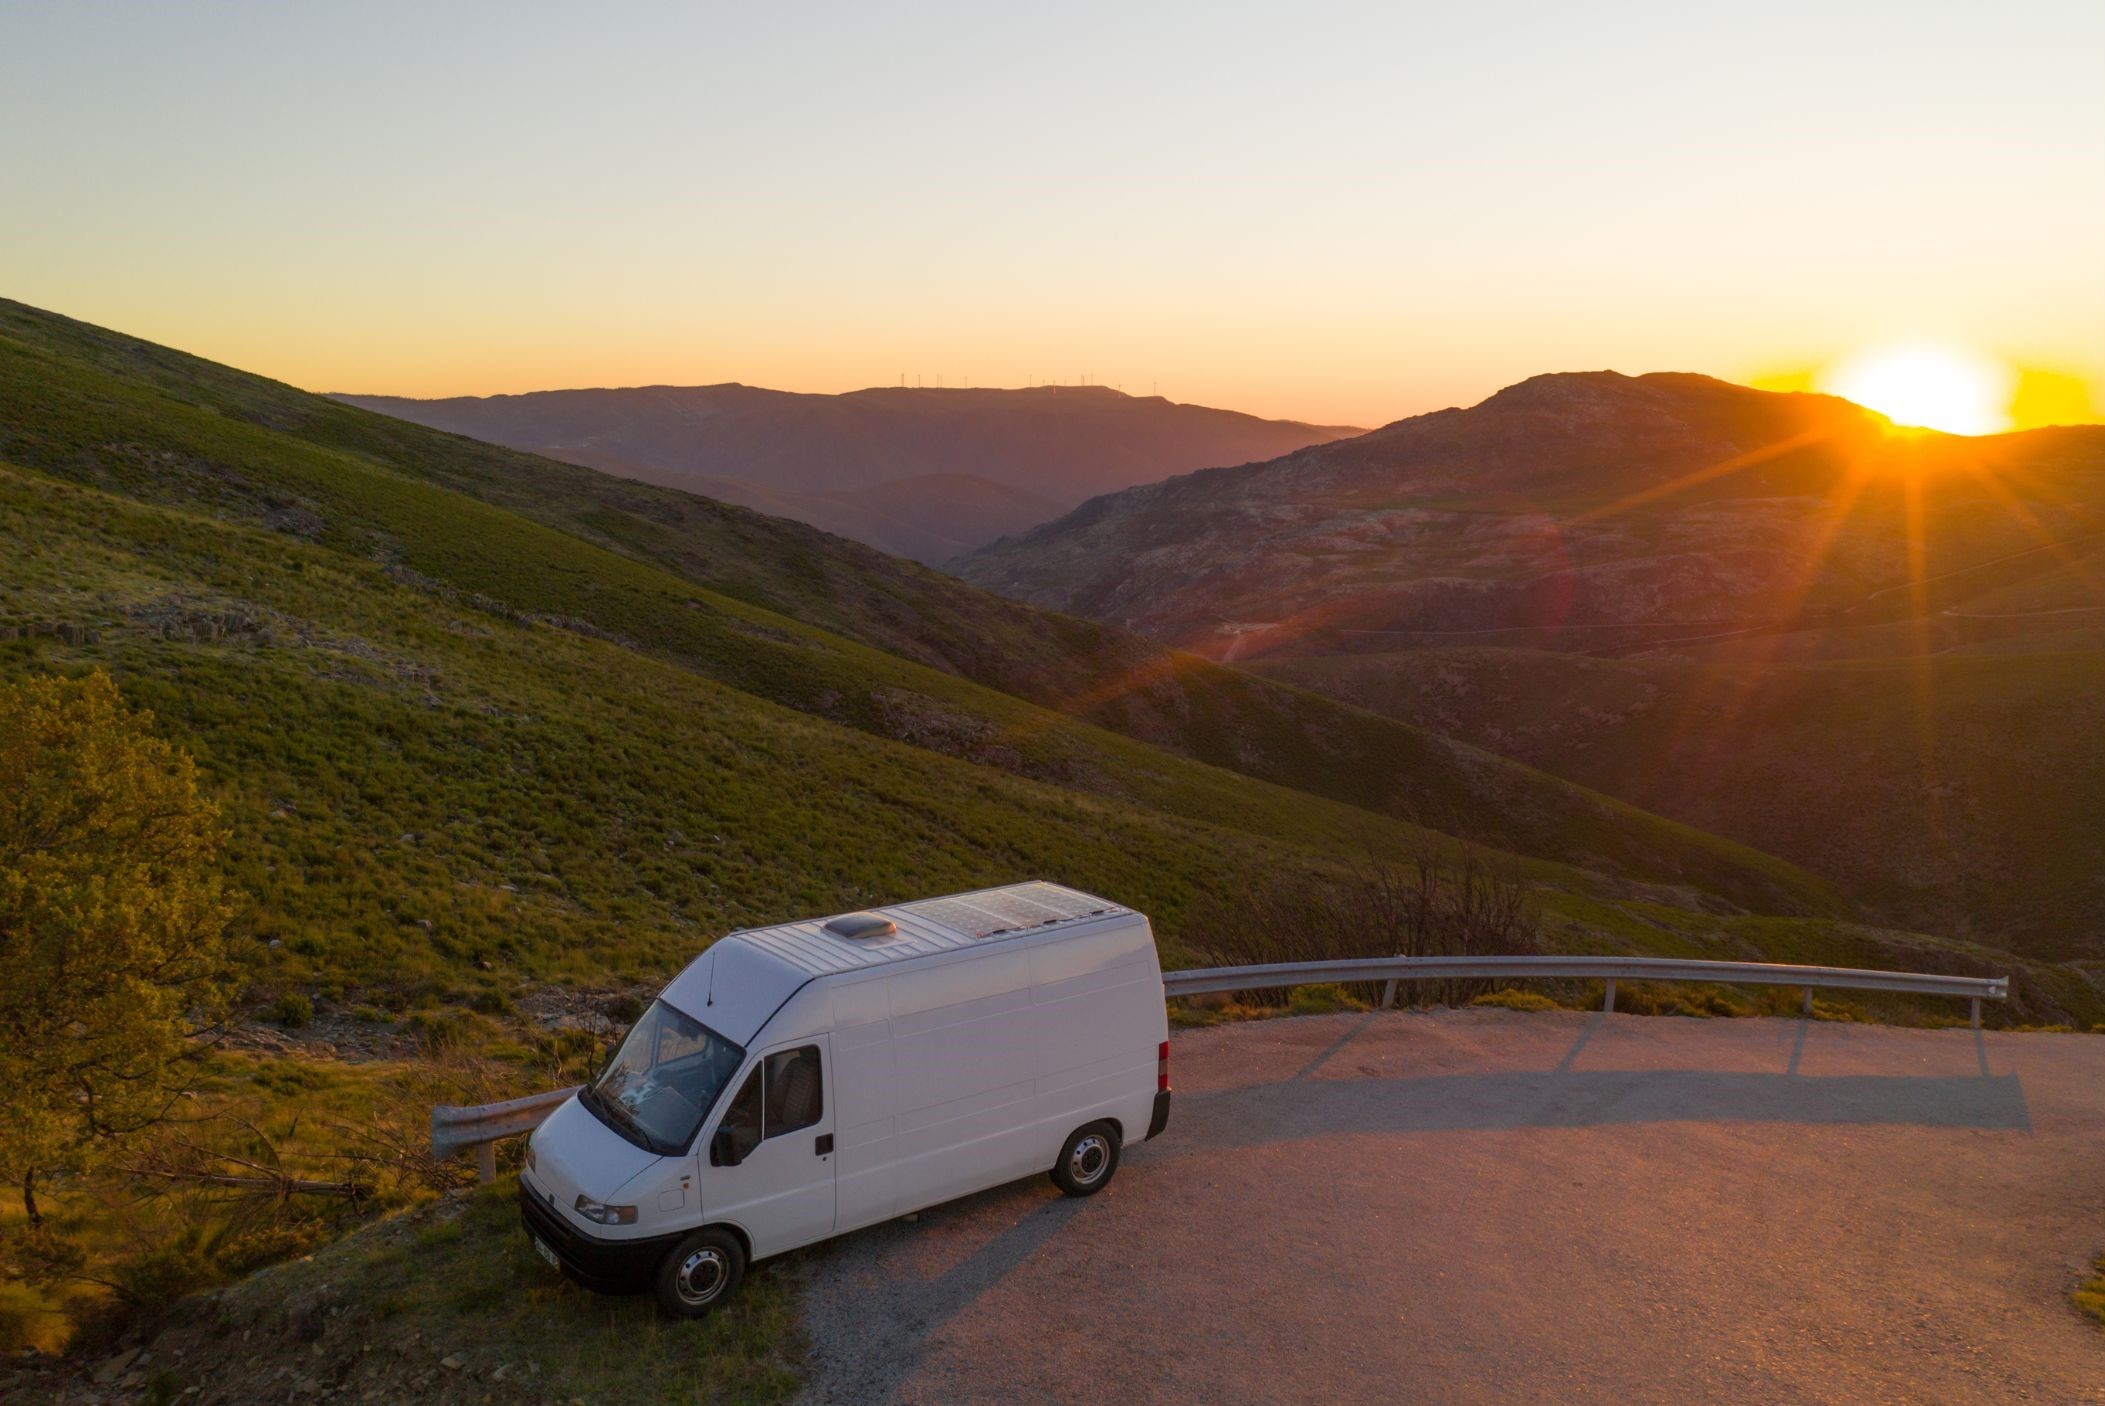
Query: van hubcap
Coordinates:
[1090,1156]
[701,1276]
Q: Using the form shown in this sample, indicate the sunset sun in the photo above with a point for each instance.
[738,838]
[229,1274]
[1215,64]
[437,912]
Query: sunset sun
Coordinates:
[1927,386]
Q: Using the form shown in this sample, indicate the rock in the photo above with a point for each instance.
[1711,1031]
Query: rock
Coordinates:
[503,1370]
[115,1367]
[453,1362]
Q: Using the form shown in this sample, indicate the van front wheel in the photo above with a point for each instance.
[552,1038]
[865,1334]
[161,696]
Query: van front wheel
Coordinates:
[1088,1160]
[701,1272]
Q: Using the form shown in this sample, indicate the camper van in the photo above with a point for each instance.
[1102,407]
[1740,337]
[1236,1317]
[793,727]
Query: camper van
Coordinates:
[800,1081]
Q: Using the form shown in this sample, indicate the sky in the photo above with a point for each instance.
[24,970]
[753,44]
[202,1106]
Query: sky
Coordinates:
[1337,212]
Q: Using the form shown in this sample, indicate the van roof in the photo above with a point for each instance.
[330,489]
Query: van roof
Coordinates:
[931,925]
[762,967]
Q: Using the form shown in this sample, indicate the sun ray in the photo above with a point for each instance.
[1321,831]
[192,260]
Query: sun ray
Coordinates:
[1988,479]
[1735,675]
[1923,684]
[1698,477]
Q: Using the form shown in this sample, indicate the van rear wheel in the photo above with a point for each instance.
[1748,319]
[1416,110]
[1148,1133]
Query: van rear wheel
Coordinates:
[699,1273]
[1088,1160]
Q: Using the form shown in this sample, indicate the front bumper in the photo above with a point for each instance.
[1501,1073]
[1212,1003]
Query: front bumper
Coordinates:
[610,1266]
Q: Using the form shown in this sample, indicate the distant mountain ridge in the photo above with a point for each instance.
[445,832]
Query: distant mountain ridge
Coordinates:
[920,472]
[1574,510]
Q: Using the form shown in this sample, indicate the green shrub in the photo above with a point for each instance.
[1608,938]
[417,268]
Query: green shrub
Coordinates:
[1320,1000]
[31,1319]
[2090,1294]
[1515,999]
[160,1276]
[268,1244]
[292,1010]
[623,1010]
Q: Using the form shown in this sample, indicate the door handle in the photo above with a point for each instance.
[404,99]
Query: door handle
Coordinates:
[823,1145]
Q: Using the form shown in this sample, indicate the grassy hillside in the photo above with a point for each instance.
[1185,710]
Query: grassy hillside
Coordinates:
[1963,792]
[700,585]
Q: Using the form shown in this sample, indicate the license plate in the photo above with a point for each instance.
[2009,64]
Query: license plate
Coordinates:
[545,1253]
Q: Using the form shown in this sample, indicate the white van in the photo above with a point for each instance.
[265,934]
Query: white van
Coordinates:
[799,1081]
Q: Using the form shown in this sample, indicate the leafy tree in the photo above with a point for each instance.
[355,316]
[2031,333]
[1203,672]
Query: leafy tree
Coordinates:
[112,923]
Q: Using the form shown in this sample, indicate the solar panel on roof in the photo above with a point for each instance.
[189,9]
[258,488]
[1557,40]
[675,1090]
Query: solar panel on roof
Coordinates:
[1009,909]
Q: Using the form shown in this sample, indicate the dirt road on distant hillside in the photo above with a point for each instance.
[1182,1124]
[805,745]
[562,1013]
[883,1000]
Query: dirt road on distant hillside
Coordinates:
[1483,1206]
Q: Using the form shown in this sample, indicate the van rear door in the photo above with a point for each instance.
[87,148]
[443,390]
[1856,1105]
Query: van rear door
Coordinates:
[778,1128]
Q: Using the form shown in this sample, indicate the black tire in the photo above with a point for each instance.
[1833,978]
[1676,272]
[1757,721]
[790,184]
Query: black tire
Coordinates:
[699,1273]
[1088,1160]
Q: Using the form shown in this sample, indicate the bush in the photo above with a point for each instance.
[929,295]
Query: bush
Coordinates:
[623,1010]
[1514,999]
[31,1319]
[1320,1000]
[1440,904]
[2090,1294]
[167,1272]
[292,1010]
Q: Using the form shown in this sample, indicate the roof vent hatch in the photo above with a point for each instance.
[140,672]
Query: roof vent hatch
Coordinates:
[862,927]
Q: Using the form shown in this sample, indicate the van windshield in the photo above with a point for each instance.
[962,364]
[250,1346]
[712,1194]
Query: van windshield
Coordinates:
[663,1080]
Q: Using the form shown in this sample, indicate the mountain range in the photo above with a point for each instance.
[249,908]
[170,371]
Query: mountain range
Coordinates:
[482,723]
[920,473]
[1777,617]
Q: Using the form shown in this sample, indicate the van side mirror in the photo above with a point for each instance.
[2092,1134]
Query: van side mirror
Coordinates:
[723,1149]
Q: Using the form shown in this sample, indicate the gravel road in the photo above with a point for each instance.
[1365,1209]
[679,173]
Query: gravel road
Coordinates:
[1479,1206]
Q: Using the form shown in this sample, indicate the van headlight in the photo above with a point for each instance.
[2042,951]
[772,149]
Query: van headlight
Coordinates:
[603,1214]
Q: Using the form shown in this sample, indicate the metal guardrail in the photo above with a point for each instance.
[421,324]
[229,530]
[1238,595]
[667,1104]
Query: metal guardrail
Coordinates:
[483,1126]
[1392,970]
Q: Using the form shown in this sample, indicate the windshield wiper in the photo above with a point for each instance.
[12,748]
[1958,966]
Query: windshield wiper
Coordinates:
[614,1110]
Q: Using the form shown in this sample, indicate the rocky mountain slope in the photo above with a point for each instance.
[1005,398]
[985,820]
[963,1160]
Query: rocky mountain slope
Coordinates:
[1772,617]
[923,473]
[1583,511]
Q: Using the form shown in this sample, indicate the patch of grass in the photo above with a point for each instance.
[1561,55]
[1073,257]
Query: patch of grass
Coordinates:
[32,1319]
[1321,1000]
[475,1287]
[117,1251]
[2090,1294]
[1514,998]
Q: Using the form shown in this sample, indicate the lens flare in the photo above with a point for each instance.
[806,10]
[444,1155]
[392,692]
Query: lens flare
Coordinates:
[1927,387]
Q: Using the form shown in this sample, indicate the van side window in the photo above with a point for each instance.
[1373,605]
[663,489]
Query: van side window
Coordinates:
[794,1098]
[742,1118]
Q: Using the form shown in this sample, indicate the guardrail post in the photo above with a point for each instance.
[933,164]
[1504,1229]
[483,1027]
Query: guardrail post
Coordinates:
[1977,1012]
[1608,1003]
[1388,994]
[486,1162]
[1808,1008]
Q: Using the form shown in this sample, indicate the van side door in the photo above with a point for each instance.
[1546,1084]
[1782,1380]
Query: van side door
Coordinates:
[767,1163]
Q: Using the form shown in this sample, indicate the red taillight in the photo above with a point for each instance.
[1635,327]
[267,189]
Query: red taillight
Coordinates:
[1162,1068]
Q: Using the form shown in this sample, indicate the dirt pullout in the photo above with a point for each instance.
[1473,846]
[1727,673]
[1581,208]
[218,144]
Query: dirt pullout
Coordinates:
[1489,1206]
